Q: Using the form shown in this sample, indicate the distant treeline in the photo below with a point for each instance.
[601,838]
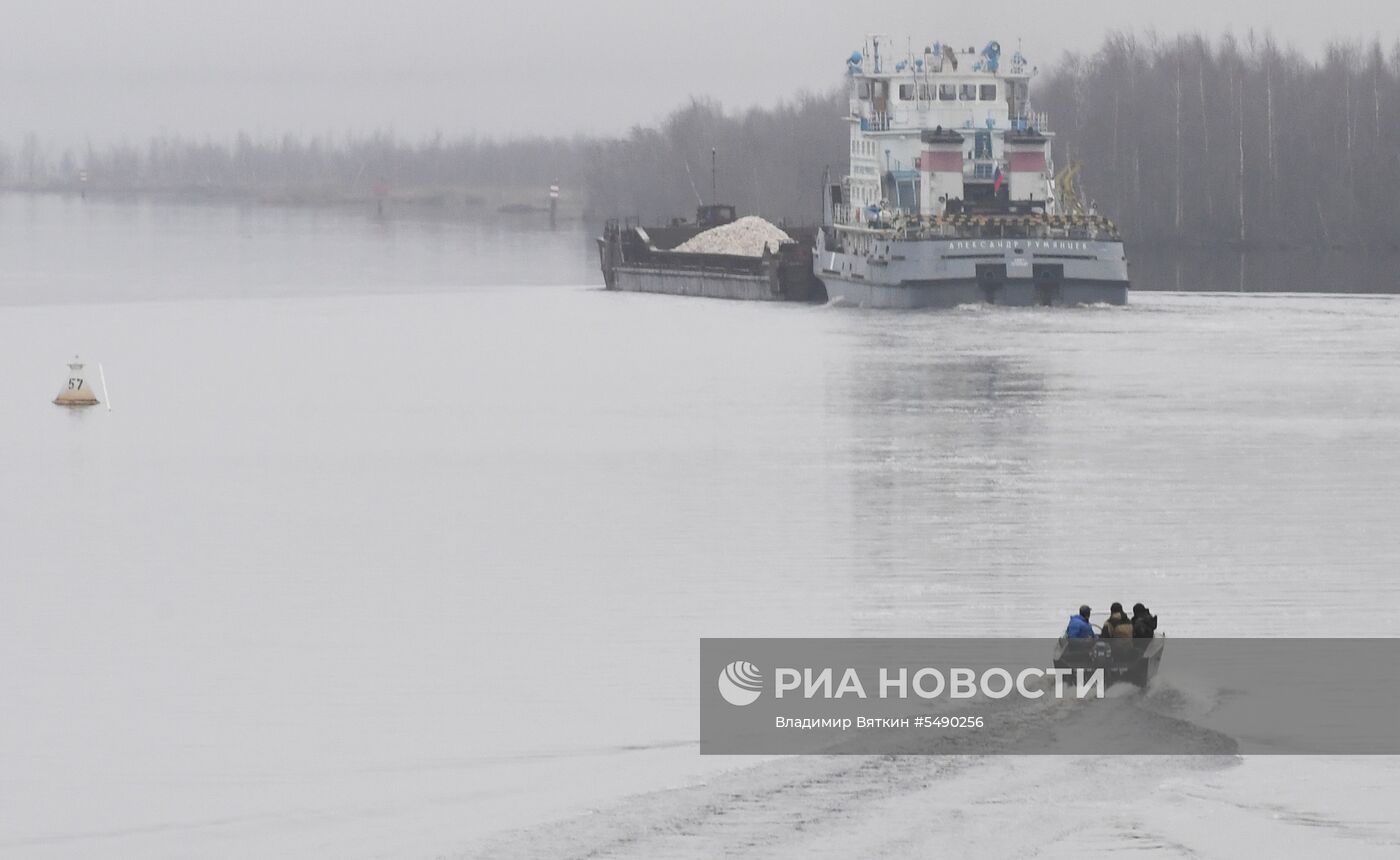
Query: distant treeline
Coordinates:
[1242,142]
[1181,140]
[289,168]
[767,161]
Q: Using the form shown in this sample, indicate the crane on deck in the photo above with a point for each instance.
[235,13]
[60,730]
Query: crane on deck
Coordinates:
[1071,203]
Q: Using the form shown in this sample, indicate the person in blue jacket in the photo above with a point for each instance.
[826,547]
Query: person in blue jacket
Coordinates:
[1079,625]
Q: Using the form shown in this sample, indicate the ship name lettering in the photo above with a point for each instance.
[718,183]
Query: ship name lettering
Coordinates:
[1006,244]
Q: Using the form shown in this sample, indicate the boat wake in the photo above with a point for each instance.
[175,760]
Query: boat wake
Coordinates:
[901,805]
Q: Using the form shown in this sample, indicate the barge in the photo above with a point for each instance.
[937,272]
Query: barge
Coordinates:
[644,259]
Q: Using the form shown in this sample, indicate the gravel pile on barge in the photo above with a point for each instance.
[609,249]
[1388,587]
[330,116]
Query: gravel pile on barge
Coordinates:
[746,237]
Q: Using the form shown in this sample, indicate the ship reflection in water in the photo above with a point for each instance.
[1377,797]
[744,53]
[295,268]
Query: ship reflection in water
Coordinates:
[1005,466]
[940,446]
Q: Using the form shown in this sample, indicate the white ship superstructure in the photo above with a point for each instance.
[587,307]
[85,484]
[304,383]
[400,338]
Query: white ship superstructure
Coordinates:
[952,195]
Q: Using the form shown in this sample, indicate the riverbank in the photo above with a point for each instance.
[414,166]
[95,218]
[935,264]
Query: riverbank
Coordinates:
[467,201]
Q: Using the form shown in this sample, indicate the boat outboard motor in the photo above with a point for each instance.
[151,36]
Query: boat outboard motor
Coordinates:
[1101,654]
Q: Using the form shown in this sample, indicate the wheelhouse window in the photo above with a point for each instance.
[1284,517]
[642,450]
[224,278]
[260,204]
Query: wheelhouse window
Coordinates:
[947,93]
[982,145]
[906,92]
[863,90]
[988,92]
[967,92]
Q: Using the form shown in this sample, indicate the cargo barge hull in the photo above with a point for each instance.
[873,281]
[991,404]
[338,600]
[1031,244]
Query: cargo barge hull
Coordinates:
[640,260]
[707,283]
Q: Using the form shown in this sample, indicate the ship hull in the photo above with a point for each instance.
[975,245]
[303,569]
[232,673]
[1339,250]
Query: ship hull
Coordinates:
[941,273]
[951,293]
[707,284]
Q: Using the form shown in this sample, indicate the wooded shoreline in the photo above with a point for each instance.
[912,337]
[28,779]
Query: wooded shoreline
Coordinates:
[1235,144]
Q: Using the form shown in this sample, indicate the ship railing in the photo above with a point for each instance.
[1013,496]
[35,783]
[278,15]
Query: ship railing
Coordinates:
[1038,120]
[875,122]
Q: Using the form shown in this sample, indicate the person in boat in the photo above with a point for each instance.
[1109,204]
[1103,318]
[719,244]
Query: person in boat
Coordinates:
[1079,627]
[1118,625]
[1144,622]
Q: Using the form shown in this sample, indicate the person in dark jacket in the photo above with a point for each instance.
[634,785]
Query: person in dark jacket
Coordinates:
[1118,625]
[1079,625]
[1144,622]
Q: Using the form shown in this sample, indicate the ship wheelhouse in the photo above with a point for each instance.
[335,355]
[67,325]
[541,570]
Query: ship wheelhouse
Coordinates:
[939,131]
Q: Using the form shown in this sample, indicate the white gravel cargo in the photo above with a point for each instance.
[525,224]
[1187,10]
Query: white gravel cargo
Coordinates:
[745,237]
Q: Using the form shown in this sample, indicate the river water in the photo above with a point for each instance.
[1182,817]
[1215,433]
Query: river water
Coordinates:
[401,534]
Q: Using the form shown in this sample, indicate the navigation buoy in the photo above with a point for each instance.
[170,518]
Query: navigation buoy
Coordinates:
[76,392]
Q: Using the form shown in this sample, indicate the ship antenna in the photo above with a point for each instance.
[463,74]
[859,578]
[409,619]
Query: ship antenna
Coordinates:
[691,177]
[713,162]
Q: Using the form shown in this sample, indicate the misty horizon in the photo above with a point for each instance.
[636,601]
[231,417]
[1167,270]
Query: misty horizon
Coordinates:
[77,76]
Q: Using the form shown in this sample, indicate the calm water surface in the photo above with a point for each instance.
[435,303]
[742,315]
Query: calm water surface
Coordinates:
[400,530]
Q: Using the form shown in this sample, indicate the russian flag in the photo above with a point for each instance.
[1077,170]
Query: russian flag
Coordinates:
[997,180]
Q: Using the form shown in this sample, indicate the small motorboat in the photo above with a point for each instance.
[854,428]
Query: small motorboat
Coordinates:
[1132,661]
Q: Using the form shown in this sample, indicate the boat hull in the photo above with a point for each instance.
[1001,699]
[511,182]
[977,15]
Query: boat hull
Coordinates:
[941,273]
[1128,661]
[953,293]
[714,284]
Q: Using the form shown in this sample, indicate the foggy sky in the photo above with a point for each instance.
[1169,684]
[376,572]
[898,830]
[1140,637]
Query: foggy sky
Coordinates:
[74,71]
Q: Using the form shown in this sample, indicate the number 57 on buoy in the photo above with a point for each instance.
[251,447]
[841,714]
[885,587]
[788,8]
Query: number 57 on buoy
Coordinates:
[77,392]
